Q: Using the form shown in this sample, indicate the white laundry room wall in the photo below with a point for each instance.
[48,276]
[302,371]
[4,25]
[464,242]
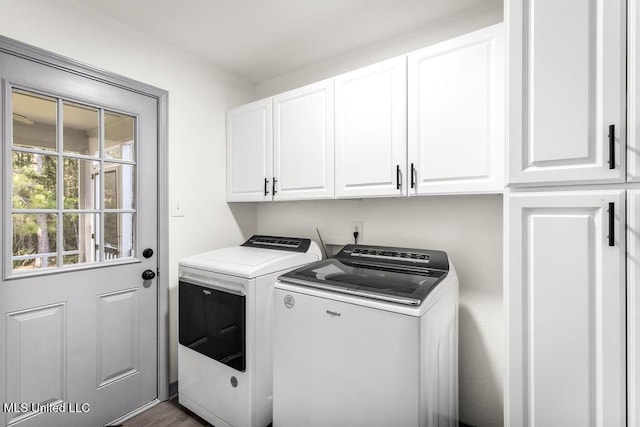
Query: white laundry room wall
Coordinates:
[199,95]
[469,228]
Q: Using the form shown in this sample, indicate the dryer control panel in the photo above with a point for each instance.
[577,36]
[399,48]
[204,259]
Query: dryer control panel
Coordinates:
[395,257]
[293,244]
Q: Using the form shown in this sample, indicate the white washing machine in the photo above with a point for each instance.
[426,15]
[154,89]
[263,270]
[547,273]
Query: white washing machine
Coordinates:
[367,338]
[224,323]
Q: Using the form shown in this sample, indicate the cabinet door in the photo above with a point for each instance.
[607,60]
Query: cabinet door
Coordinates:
[371,130]
[633,306]
[633,93]
[566,89]
[565,305]
[456,115]
[249,152]
[303,142]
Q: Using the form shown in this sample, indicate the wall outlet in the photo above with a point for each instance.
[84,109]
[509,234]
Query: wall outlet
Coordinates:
[177,207]
[357,226]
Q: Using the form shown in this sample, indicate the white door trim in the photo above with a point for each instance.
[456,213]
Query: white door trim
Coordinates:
[22,50]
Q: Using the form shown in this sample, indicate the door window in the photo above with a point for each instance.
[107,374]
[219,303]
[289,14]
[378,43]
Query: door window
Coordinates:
[73,183]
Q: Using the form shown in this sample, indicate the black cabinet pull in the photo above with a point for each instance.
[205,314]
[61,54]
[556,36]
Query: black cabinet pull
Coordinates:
[413,173]
[397,177]
[612,146]
[273,186]
[266,185]
[612,219]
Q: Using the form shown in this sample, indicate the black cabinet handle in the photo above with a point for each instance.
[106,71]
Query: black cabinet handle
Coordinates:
[397,177]
[612,219]
[266,185]
[612,146]
[413,174]
[273,186]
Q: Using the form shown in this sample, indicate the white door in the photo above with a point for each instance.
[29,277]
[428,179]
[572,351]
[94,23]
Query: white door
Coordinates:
[371,130]
[566,91]
[303,142]
[456,115]
[633,92]
[78,324]
[565,304]
[633,306]
[250,152]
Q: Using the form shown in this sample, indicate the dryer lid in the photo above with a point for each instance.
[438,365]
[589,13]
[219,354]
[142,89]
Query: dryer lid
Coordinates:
[256,259]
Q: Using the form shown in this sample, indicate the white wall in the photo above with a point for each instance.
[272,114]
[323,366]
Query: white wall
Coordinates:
[488,13]
[469,228]
[199,95]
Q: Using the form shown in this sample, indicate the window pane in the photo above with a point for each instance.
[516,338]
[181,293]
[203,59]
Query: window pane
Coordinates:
[34,234]
[34,121]
[80,188]
[119,231]
[80,132]
[79,238]
[34,180]
[119,136]
[119,186]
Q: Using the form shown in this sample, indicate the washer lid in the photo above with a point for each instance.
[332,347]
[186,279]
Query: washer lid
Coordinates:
[399,275]
[247,262]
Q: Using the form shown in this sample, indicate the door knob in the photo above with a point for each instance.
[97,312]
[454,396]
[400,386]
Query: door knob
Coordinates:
[148,275]
[147,253]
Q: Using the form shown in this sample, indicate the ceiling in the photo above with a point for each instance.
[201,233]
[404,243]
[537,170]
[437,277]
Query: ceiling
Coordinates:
[262,39]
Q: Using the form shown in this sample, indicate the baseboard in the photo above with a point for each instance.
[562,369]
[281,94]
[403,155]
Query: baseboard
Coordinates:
[173,390]
[120,421]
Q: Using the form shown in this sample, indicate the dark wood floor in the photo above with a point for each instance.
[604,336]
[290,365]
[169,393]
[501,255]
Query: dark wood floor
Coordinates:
[167,414]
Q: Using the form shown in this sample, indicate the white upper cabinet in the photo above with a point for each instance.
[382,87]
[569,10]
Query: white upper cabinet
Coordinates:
[566,91]
[303,142]
[371,130]
[249,152]
[565,305]
[456,115]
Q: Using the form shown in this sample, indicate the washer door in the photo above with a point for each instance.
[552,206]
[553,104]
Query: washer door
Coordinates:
[212,322]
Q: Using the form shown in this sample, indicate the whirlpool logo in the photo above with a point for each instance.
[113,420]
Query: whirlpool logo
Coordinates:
[289,301]
[333,313]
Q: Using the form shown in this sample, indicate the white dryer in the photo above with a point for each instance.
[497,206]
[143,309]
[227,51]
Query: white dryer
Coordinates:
[367,338]
[224,328]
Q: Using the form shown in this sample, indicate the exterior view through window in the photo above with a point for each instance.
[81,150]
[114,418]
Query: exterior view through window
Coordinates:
[73,183]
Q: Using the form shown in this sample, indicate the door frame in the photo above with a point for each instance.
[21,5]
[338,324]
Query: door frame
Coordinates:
[41,56]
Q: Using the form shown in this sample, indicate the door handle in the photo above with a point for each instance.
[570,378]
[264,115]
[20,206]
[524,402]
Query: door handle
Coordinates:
[273,187]
[612,229]
[148,275]
[413,174]
[266,186]
[397,177]
[612,146]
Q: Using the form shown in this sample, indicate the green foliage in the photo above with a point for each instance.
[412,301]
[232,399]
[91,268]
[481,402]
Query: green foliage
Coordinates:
[35,187]
[34,181]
